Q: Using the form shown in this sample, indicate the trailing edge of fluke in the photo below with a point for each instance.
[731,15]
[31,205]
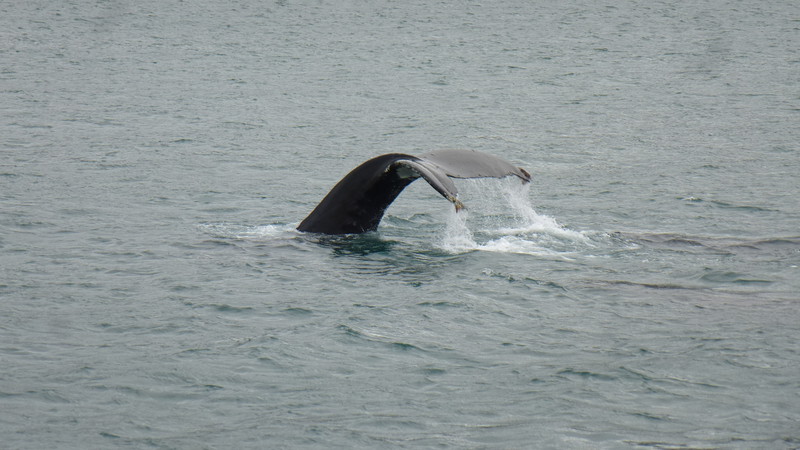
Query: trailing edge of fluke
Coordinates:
[357,203]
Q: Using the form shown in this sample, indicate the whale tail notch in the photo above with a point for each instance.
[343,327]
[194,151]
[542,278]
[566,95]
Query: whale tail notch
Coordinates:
[357,203]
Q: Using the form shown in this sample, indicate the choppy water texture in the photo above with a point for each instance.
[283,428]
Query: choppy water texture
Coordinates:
[641,293]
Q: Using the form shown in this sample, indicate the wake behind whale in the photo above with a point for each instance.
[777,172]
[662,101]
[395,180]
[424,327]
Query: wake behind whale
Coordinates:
[357,203]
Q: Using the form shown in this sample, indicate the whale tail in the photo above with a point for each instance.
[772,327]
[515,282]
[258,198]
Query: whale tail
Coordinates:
[357,203]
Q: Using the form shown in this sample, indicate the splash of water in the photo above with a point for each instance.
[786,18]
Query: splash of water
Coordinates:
[457,236]
[502,219]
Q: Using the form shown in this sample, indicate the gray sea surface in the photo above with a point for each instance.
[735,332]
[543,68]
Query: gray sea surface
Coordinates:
[642,292]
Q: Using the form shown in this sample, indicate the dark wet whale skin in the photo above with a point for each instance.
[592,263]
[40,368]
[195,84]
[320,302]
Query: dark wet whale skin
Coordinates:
[357,203]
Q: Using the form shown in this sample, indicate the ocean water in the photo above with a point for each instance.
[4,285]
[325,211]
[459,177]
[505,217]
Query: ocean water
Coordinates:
[642,292]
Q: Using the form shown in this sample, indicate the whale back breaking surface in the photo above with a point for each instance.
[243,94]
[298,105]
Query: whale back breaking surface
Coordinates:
[357,203]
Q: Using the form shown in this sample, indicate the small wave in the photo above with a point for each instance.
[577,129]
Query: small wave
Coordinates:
[714,244]
[221,307]
[716,276]
[378,339]
[232,231]
[570,372]
[692,200]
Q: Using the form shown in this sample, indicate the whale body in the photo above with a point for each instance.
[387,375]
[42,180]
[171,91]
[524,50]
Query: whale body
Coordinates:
[357,203]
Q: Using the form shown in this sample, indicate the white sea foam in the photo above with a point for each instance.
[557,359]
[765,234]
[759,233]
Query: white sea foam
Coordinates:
[233,231]
[502,219]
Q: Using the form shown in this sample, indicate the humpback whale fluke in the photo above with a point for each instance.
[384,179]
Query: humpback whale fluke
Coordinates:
[357,203]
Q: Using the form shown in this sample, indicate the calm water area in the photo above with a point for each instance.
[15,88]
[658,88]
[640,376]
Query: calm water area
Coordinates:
[643,291]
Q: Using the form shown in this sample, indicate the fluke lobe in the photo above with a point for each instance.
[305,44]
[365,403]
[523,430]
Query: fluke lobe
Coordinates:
[357,203]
